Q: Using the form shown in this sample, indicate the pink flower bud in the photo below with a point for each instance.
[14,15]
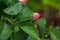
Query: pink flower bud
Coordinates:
[23,1]
[36,15]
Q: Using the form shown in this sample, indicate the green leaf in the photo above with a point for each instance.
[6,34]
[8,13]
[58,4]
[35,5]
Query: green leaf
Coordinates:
[6,32]
[13,10]
[25,13]
[41,22]
[29,29]
[30,38]
[53,37]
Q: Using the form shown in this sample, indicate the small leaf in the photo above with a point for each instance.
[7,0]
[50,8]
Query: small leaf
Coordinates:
[13,10]
[41,22]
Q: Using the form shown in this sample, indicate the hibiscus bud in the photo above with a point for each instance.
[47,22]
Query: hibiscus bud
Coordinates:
[36,15]
[23,1]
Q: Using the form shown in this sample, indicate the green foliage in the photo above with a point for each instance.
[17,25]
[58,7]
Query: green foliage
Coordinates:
[6,32]
[16,20]
[29,28]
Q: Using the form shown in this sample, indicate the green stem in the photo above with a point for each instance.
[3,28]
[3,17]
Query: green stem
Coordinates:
[24,20]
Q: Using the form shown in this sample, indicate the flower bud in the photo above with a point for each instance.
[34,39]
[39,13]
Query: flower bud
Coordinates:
[36,15]
[23,1]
